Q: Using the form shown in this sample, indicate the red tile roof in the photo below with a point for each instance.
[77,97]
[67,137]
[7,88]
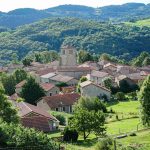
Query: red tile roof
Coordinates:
[47,86]
[14,97]
[99,74]
[74,69]
[88,83]
[59,100]
[25,109]
[45,71]
[36,122]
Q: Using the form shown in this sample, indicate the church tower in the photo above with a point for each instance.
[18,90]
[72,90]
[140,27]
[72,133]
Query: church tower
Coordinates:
[68,56]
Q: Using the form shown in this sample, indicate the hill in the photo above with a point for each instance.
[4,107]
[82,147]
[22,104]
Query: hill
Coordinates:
[140,23]
[114,13]
[49,34]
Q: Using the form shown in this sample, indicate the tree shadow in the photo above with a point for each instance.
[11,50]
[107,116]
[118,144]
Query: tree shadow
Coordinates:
[87,142]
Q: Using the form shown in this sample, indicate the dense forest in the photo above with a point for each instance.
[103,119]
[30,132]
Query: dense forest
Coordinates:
[121,40]
[113,13]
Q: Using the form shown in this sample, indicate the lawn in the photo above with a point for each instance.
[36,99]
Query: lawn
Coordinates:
[113,128]
[125,107]
[145,22]
[123,126]
[142,139]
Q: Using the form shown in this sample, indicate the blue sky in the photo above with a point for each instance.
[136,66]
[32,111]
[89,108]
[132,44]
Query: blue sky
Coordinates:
[7,5]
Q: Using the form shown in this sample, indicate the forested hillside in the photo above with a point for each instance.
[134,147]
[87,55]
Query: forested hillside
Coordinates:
[114,13]
[119,40]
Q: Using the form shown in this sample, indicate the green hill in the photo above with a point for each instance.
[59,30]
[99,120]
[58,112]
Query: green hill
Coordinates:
[96,37]
[114,13]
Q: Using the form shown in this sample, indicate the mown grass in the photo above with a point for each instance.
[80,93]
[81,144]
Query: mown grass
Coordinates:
[123,126]
[145,22]
[141,140]
[113,128]
[125,106]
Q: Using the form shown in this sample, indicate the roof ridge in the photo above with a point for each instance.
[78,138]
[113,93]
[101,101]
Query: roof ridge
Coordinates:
[27,106]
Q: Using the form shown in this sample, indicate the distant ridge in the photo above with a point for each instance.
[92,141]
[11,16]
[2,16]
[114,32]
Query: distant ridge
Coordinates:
[114,13]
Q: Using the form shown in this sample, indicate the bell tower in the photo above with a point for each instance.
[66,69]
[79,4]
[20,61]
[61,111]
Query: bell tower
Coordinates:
[68,56]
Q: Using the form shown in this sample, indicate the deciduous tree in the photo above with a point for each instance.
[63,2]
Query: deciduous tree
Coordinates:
[144,98]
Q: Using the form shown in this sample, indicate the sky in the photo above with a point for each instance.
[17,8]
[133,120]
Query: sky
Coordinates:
[7,5]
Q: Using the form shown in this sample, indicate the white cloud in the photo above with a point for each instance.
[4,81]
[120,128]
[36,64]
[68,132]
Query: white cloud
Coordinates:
[7,5]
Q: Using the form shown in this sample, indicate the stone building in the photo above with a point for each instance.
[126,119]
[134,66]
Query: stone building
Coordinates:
[68,56]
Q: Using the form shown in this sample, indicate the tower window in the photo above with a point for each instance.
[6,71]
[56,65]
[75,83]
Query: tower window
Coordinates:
[70,51]
[63,52]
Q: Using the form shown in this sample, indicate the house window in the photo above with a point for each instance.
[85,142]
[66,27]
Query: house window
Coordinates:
[56,109]
[56,92]
[70,109]
[63,108]
[50,94]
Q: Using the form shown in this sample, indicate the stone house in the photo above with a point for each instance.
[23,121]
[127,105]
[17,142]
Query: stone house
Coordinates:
[110,66]
[76,72]
[98,76]
[122,78]
[35,117]
[61,102]
[90,89]
[50,89]
[70,81]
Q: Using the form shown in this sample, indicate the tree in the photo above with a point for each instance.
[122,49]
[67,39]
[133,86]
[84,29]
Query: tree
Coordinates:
[105,57]
[38,57]
[7,112]
[85,121]
[31,91]
[82,79]
[120,96]
[138,61]
[19,137]
[91,104]
[84,56]
[107,82]
[9,83]
[27,61]
[144,98]
[20,75]
[146,61]
[105,144]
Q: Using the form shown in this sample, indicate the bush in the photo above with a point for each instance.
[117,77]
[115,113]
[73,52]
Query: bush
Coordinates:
[70,135]
[120,96]
[105,144]
[61,118]
[13,135]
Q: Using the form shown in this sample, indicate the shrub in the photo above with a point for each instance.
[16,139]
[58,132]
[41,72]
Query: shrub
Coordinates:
[105,144]
[61,118]
[120,96]
[13,135]
[70,135]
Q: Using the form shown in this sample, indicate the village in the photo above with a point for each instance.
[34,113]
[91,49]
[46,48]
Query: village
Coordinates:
[65,81]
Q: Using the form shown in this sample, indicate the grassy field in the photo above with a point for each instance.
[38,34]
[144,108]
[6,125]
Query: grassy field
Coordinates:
[141,140]
[145,22]
[123,126]
[116,127]
[125,107]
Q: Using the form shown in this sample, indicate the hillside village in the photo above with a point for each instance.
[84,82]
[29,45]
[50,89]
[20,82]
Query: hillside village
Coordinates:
[60,81]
